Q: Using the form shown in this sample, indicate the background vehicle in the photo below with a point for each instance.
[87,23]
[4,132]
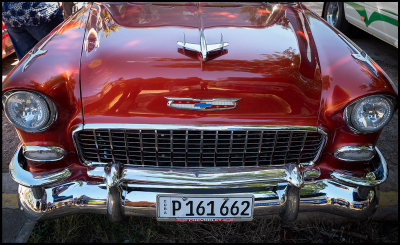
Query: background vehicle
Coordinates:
[6,44]
[377,18]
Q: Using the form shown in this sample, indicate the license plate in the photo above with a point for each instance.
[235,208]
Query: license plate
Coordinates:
[207,208]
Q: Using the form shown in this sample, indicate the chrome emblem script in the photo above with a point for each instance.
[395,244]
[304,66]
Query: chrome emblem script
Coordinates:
[202,104]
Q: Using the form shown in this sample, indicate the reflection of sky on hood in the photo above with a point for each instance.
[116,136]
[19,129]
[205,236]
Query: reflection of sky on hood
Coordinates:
[274,39]
[149,49]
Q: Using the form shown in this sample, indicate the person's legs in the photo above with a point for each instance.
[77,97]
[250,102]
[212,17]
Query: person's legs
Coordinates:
[39,32]
[21,39]
[67,7]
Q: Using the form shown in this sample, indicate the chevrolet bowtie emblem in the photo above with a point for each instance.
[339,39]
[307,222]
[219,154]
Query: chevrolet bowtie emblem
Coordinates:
[202,104]
[203,48]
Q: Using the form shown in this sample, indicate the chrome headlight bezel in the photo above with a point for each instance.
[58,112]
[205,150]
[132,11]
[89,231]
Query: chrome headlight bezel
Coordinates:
[50,106]
[349,109]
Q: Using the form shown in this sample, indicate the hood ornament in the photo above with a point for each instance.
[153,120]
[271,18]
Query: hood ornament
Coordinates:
[218,104]
[203,48]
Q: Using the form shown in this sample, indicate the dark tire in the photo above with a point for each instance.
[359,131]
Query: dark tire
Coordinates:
[339,20]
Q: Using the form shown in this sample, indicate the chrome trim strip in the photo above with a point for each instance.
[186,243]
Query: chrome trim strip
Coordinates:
[354,149]
[25,178]
[371,179]
[141,127]
[197,127]
[43,148]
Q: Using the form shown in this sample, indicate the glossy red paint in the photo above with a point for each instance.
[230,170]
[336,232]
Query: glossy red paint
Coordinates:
[260,70]
[56,75]
[344,80]
[288,66]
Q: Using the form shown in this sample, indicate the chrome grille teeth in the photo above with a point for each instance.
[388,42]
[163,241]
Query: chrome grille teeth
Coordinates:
[216,148]
[156,144]
[141,147]
[199,148]
[259,147]
[126,147]
[171,147]
[230,148]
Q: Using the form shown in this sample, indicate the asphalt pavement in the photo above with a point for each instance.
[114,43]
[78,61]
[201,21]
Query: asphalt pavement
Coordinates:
[16,227]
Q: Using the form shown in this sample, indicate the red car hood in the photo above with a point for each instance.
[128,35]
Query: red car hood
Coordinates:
[131,62]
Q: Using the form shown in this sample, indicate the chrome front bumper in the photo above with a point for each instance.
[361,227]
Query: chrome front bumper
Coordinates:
[126,190]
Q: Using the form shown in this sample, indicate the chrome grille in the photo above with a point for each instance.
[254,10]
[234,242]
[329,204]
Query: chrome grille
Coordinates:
[199,148]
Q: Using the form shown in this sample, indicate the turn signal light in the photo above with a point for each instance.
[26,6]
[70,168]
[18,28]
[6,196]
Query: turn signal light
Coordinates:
[355,153]
[43,153]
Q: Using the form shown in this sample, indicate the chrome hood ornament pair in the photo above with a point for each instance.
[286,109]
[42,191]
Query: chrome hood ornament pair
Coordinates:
[203,48]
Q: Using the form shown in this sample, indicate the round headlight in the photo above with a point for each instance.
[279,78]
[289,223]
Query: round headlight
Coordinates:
[369,114]
[29,111]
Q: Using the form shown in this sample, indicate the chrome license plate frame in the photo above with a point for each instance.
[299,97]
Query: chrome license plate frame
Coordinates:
[166,207]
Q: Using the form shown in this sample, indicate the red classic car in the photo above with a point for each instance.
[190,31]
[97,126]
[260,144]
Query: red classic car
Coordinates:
[198,112]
